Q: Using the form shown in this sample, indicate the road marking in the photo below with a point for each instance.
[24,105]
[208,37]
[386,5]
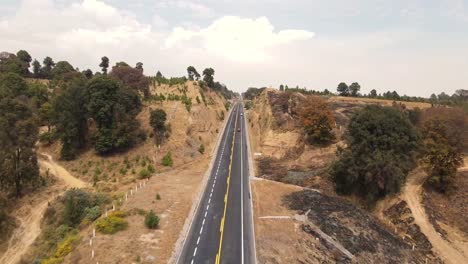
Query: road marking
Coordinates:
[201,230]
[208,206]
[192,261]
[195,252]
[223,220]
[242,195]
[228,126]
[198,240]
[209,200]
[203,221]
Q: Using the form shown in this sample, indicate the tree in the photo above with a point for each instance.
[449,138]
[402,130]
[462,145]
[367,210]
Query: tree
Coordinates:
[88,73]
[317,120]
[192,73]
[122,64]
[354,89]
[47,68]
[373,93]
[18,134]
[10,63]
[208,76]
[159,75]
[132,78]
[158,123]
[114,109]
[343,89]
[12,85]
[381,150]
[36,69]
[61,68]
[46,115]
[71,118]
[444,138]
[139,66]
[104,64]
[281,87]
[26,59]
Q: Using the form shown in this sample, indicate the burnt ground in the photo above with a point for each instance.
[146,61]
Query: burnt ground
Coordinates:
[355,229]
[450,208]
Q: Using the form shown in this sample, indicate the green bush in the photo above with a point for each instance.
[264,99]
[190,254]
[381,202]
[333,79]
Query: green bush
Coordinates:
[167,160]
[201,149]
[112,223]
[144,174]
[78,204]
[93,213]
[158,197]
[151,168]
[152,220]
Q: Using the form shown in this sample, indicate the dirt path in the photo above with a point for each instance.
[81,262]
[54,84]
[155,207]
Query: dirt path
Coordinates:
[412,195]
[30,212]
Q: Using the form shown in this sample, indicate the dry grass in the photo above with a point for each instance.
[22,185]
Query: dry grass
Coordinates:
[362,100]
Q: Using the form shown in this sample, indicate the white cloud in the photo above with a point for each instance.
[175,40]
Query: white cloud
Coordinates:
[243,51]
[195,8]
[238,39]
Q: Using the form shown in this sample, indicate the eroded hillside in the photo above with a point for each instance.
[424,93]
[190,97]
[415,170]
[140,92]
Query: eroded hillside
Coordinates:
[324,227]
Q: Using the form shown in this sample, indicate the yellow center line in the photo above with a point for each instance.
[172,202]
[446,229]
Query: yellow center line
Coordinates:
[223,220]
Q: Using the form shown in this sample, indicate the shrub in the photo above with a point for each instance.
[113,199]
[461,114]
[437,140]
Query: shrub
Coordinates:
[152,220]
[158,197]
[167,160]
[78,204]
[201,149]
[93,213]
[144,174]
[151,168]
[112,223]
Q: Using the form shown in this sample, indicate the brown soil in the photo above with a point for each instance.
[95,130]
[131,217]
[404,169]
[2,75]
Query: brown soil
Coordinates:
[30,210]
[450,208]
[177,189]
[281,240]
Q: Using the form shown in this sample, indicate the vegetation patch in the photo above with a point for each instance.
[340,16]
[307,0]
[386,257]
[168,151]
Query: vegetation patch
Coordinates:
[113,223]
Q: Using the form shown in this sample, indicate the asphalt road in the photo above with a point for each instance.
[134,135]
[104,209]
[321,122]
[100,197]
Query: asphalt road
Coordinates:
[222,228]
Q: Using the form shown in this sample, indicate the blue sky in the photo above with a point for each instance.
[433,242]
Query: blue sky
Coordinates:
[414,47]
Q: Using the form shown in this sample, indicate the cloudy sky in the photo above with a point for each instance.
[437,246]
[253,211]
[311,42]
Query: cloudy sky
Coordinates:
[416,47]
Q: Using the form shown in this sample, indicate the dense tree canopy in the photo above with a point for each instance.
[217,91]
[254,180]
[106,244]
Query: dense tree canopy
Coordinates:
[192,73]
[208,74]
[354,89]
[343,89]
[71,118]
[104,64]
[18,134]
[132,78]
[114,109]
[381,149]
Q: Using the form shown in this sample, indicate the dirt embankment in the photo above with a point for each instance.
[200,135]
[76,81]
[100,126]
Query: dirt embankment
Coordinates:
[30,209]
[430,220]
[301,226]
[176,186]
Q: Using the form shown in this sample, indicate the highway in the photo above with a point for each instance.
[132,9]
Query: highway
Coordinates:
[222,228]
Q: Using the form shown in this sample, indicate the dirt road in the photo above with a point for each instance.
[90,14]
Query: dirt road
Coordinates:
[30,211]
[412,195]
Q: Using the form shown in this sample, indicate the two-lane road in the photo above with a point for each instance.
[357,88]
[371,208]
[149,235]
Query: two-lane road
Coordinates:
[222,228]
